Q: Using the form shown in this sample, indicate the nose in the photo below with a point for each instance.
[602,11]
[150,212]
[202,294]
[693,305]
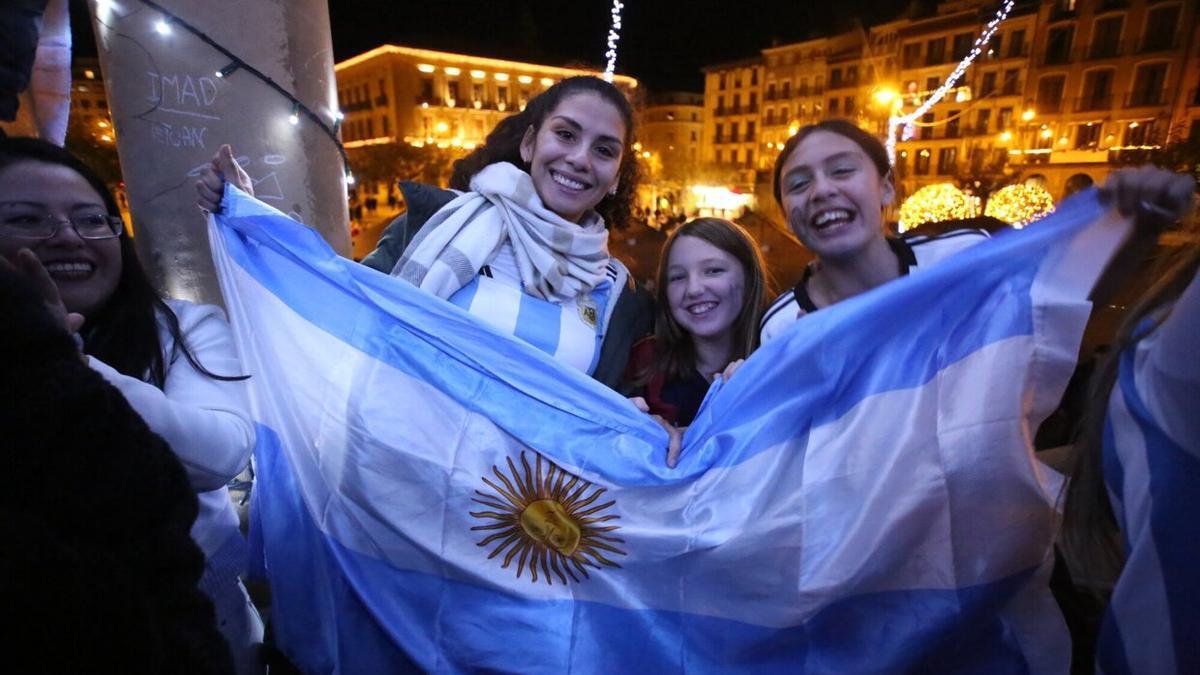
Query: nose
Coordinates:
[578,156]
[822,185]
[66,236]
[695,285]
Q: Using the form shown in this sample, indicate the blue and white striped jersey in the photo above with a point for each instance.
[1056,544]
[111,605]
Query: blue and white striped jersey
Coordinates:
[571,332]
[1152,467]
[913,252]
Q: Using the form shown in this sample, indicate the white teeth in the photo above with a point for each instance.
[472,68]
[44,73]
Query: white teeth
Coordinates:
[69,268]
[701,308]
[567,182]
[829,216]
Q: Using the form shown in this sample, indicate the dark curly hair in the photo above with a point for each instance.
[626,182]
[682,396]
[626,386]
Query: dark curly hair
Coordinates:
[504,144]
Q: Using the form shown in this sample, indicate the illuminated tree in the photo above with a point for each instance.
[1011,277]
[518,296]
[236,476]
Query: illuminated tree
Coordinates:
[1020,204]
[935,203]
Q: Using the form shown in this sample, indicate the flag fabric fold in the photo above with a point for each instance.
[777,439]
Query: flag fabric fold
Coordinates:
[861,497]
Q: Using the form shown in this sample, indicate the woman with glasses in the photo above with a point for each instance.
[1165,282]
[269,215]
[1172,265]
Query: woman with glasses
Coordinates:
[174,361]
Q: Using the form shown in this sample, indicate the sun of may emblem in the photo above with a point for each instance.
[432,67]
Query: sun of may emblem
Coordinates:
[547,519]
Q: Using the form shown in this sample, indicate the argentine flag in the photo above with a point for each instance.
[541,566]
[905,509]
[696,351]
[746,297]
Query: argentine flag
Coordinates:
[860,497]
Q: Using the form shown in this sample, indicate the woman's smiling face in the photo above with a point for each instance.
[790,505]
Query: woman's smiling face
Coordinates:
[86,271]
[575,157]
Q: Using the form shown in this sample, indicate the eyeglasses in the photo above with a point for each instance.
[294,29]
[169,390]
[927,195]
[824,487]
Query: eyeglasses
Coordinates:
[45,225]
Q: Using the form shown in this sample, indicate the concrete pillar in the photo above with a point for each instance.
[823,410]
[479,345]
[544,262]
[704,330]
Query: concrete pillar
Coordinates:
[171,112]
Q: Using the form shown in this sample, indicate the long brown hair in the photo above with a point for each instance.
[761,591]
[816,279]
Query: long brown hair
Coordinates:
[504,144]
[675,353]
[1090,537]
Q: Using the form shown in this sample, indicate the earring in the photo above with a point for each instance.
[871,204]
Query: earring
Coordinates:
[612,192]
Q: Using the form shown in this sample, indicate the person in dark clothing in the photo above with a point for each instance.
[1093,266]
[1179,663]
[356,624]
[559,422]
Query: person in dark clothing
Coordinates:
[99,572]
[711,287]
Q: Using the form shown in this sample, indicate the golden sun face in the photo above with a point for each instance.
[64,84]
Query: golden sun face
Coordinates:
[548,520]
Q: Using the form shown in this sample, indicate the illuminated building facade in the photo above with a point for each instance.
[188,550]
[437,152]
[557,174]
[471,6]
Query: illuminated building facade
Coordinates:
[733,117]
[669,128]
[89,102]
[418,96]
[1066,89]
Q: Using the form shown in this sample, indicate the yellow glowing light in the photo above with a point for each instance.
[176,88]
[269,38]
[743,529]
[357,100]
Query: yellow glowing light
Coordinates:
[478,74]
[424,104]
[646,154]
[89,74]
[106,138]
[426,68]
[1046,133]
[885,95]
[102,124]
[1020,204]
[1028,115]
[793,128]
[935,203]
[450,70]
[441,127]
[1062,140]
[501,77]
[1005,136]
[546,82]
[1133,125]
[524,79]
[637,147]
[443,144]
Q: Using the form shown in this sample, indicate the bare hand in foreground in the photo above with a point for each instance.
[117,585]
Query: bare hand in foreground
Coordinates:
[211,185]
[26,264]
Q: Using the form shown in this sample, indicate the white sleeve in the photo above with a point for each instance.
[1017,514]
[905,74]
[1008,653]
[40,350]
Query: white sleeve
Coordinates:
[1167,370]
[205,421]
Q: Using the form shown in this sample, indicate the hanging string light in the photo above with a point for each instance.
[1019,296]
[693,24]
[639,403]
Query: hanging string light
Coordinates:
[896,121]
[614,36]
[169,20]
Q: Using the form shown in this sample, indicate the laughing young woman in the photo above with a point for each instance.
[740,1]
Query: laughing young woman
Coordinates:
[832,180]
[522,240]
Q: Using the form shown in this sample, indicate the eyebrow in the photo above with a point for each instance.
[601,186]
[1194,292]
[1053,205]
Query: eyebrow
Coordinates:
[579,127]
[40,205]
[837,156]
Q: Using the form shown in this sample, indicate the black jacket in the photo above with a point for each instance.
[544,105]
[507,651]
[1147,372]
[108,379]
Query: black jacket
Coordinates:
[633,317]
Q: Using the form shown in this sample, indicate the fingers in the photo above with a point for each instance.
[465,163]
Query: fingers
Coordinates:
[209,188]
[233,172]
[731,369]
[74,322]
[639,403]
[31,268]
[674,440]
[1151,194]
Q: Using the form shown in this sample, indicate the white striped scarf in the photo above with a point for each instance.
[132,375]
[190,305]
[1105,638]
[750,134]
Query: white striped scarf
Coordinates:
[557,259]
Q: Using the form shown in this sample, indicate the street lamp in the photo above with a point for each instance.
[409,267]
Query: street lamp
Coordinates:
[1028,115]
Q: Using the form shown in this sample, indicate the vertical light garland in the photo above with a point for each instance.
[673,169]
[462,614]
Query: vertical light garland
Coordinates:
[614,36]
[895,122]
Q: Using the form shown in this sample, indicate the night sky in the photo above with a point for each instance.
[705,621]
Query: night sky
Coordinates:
[664,43]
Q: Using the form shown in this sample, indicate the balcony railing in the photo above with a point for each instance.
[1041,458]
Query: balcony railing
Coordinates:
[1105,50]
[1047,107]
[717,139]
[1056,57]
[1158,43]
[1094,102]
[1144,98]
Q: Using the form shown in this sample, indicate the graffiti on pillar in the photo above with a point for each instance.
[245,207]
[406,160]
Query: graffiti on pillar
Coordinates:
[263,177]
[187,102]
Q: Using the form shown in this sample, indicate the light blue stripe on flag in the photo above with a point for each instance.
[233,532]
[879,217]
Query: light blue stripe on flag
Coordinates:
[439,494]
